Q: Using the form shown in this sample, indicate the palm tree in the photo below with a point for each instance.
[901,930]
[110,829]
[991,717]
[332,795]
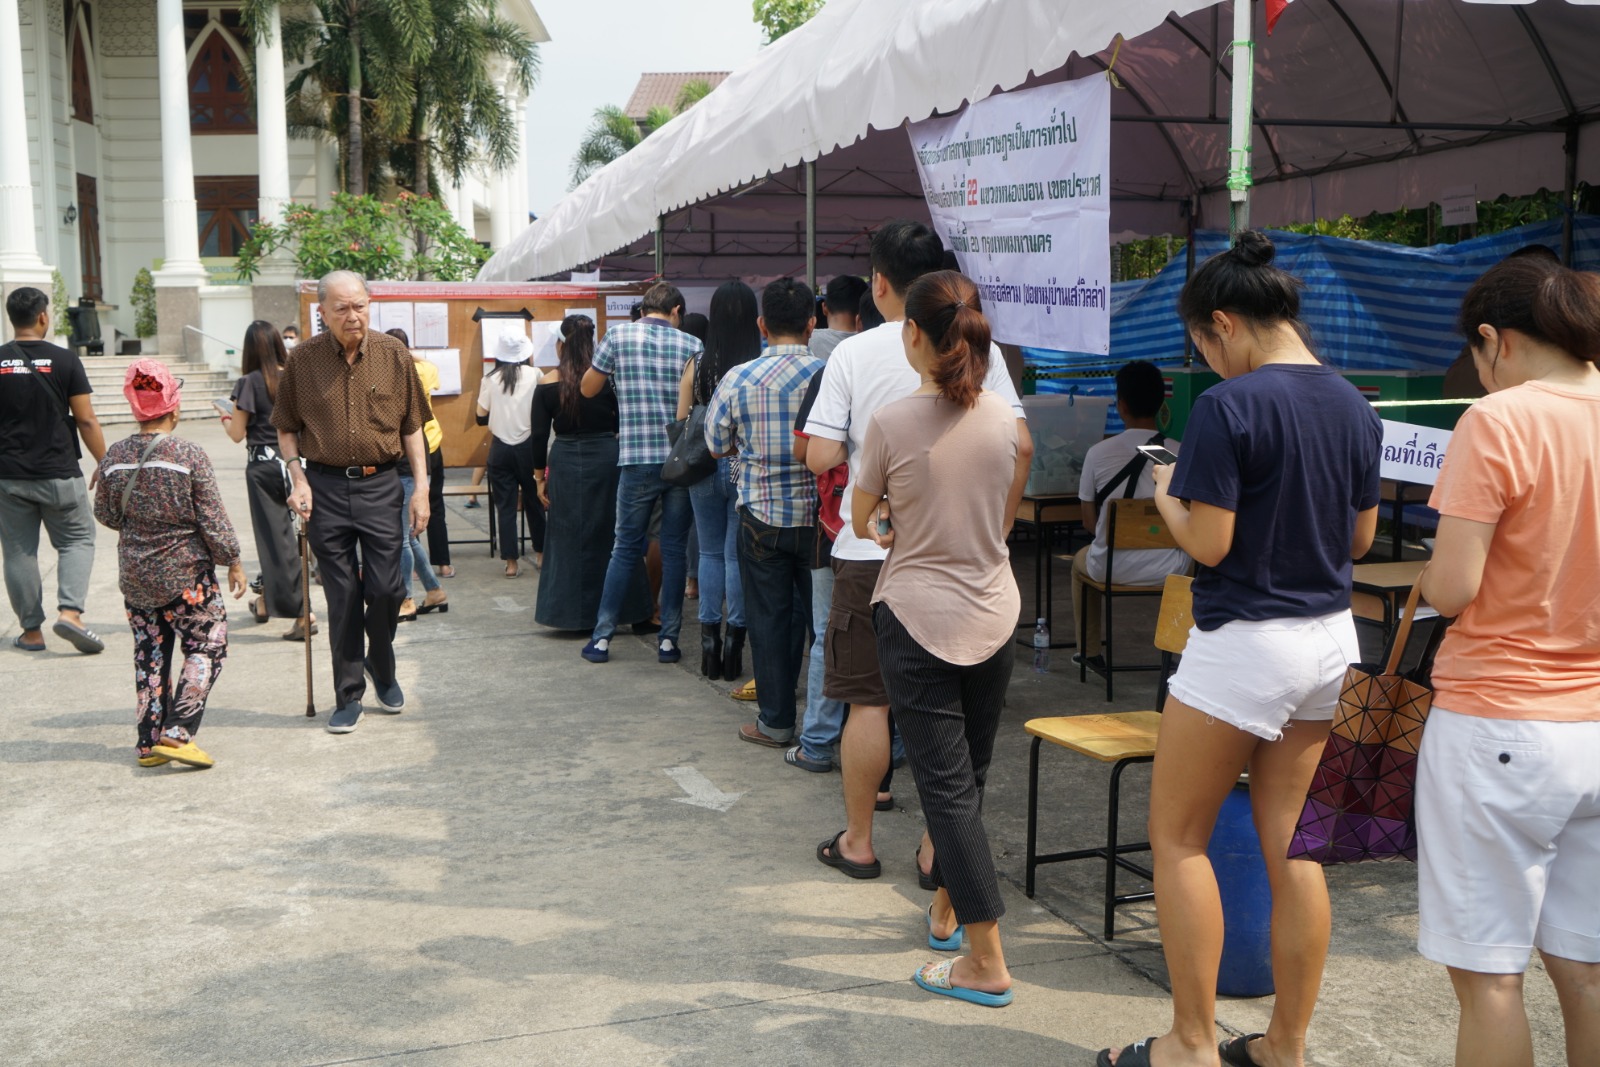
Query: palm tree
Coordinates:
[611,135]
[691,94]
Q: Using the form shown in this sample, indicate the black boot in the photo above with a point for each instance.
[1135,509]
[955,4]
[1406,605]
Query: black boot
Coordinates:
[711,649]
[733,653]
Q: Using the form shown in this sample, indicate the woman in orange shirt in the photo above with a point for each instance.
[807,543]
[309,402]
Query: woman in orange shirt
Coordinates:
[1508,780]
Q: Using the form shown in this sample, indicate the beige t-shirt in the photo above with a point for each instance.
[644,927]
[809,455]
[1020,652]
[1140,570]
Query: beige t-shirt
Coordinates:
[947,471]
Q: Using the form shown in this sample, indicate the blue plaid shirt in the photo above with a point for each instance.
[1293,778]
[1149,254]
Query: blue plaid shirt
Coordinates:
[754,409]
[645,360]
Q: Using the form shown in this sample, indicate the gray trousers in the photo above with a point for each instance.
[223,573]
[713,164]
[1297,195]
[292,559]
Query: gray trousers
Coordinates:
[62,506]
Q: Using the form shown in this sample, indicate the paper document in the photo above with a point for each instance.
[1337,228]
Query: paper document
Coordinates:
[433,326]
[448,360]
[544,343]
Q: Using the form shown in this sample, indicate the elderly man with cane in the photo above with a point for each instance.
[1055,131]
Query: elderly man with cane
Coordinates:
[349,402]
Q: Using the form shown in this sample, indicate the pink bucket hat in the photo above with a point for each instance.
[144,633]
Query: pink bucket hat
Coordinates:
[151,389]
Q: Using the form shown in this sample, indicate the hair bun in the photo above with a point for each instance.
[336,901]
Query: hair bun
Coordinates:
[1254,249]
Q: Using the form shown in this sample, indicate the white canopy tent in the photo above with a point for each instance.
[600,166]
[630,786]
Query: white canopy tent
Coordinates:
[1359,106]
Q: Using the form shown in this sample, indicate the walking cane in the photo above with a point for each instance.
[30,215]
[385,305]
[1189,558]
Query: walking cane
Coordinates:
[305,610]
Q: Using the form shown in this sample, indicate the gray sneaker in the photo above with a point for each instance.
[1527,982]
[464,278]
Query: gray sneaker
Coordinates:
[345,719]
[391,700]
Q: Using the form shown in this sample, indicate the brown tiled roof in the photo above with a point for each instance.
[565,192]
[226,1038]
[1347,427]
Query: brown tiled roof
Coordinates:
[661,90]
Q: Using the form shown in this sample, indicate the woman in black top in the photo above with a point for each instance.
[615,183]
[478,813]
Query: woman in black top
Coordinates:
[266,478]
[577,481]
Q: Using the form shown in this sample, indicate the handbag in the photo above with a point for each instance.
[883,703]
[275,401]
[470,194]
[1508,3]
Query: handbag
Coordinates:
[690,460]
[1362,798]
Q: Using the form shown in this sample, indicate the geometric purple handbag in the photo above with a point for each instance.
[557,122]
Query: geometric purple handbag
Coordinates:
[1360,803]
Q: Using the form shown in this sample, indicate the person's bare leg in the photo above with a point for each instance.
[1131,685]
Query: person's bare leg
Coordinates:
[1578,990]
[925,854]
[1198,760]
[984,966]
[1280,777]
[477,479]
[1493,1031]
[863,759]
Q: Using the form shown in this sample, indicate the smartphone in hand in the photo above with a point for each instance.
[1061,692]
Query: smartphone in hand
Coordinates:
[224,406]
[1164,456]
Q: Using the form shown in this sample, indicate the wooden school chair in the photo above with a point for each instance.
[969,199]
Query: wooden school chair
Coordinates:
[1131,524]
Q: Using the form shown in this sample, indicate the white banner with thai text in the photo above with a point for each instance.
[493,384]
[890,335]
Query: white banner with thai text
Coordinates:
[1412,453]
[1019,187]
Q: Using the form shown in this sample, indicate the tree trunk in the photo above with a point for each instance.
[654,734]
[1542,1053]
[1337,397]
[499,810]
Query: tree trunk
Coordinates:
[356,169]
[419,138]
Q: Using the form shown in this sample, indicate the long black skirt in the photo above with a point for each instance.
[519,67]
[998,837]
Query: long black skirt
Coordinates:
[580,527]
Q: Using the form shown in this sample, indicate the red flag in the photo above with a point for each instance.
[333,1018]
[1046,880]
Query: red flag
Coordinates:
[1274,10]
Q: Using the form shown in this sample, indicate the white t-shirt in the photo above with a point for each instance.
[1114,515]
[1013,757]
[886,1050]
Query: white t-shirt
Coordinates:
[1135,566]
[510,414]
[866,372]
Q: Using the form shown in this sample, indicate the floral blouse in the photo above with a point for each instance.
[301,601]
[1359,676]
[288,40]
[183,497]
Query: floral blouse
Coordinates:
[175,526]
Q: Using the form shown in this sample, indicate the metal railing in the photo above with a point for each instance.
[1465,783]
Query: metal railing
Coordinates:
[187,330]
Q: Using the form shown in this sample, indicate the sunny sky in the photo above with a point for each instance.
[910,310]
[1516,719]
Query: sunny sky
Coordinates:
[598,49]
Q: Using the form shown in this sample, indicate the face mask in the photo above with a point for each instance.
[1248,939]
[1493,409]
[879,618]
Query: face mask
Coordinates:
[288,343]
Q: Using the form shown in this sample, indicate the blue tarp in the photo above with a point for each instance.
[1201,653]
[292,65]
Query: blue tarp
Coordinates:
[1369,306]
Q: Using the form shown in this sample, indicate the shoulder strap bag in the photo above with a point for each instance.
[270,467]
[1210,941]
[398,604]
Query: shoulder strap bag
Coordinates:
[690,460]
[1129,474]
[133,479]
[58,399]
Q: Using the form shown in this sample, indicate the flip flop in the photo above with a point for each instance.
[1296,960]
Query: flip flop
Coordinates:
[27,646]
[187,754]
[944,944]
[1236,1053]
[258,608]
[154,758]
[924,878]
[86,641]
[1134,1055]
[884,805]
[828,853]
[935,978]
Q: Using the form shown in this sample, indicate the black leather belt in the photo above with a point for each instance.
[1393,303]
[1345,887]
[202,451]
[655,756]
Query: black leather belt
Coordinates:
[352,473]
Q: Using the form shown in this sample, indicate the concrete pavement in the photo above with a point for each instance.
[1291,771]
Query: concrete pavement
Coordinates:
[508,874]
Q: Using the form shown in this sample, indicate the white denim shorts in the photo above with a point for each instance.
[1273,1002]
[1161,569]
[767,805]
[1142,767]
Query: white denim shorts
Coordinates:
[1508,841]
[1261,675]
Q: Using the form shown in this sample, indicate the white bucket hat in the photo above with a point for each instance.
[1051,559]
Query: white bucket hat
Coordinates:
[513,348]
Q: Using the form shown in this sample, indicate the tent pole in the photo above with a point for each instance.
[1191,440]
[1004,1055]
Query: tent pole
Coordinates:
[1243,93]
[811,224]
[661,245]
[1569,189]
[1188,272]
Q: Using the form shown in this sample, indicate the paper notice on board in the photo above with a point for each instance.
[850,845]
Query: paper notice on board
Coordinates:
[495,329]
[397,315]
[620,307]
[448,360]
[433,326]
[544,343]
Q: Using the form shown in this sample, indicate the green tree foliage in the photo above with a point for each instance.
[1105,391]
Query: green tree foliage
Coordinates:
[367,235]
[612,135]
[143,299]
[59,302]
[691,94]
[778,17]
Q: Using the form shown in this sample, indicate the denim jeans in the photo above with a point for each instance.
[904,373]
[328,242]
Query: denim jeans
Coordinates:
[716,519]
[824,721]
[638,488]
[775,563]
[413,553]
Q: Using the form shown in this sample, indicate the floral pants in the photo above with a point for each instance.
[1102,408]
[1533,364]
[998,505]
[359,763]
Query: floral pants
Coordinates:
[198,622]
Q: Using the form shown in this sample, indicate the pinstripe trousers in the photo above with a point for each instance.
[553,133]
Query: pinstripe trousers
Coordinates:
[948,716]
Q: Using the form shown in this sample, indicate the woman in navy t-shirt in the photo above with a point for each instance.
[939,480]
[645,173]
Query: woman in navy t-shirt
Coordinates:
[1280,474]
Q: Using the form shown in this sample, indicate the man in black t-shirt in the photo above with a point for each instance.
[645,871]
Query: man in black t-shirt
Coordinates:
[44,410]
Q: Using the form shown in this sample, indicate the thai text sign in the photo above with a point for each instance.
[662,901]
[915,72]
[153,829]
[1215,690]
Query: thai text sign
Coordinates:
[1019,188]
[1412,453]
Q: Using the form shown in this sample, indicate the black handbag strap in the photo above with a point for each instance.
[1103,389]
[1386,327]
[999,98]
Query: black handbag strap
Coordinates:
[58,400]
[1128,475]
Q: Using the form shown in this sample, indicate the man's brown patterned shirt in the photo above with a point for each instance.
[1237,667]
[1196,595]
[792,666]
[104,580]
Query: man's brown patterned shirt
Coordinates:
[350,414]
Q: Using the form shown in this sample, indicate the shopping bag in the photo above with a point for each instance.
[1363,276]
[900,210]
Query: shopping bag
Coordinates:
[1360,806]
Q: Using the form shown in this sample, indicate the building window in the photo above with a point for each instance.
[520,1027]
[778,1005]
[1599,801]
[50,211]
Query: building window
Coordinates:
[218,99]
[82,95]
[228,207]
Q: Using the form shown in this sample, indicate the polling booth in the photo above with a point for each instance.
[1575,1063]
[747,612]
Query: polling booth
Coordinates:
[456,325]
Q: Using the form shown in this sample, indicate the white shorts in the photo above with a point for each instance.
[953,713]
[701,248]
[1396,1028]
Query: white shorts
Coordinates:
[1508,841]
[1260,676]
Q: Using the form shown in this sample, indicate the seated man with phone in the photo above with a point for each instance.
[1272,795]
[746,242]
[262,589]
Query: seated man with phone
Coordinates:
[1120,467]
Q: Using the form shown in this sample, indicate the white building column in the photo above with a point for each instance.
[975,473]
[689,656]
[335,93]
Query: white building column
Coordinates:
[500,210]
[20,264]
[179,280]
[273,291]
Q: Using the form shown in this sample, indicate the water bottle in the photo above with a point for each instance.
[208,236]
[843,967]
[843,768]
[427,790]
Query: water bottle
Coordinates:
[1041,648]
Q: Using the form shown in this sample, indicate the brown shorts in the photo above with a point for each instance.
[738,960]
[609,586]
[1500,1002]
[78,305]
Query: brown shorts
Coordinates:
[852,646]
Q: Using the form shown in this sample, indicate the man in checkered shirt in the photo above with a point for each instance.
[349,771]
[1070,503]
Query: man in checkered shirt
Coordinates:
[752,413]
[644,361]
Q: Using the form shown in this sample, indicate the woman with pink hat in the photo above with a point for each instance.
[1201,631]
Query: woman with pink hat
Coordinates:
[160,493]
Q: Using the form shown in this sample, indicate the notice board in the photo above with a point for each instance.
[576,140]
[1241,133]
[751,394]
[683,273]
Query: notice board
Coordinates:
[466,444]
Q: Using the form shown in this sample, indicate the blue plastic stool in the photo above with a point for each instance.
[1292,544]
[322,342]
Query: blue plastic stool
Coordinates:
[1235,851]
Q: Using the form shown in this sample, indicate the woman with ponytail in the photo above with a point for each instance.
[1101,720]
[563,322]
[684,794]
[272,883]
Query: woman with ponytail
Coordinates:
[577,483]
[1508,777]
[1276,495]
[948,460]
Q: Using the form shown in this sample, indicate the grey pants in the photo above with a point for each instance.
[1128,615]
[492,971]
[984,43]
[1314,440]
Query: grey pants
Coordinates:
[62,506]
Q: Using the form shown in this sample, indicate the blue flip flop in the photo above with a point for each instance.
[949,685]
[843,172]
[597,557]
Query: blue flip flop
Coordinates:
[946,944]
[27,646]
[935,978]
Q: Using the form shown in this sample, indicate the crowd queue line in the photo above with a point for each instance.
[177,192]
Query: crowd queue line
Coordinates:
[855,496]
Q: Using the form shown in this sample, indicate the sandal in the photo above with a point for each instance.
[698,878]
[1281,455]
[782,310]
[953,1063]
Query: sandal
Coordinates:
[27,646]
[511,568]
[84,640]
[924,878]
[935,978]
[828,853]
[944,944]
[1135,1055]
[884,805]
[258,608]
[1236,1053]
[297,632]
